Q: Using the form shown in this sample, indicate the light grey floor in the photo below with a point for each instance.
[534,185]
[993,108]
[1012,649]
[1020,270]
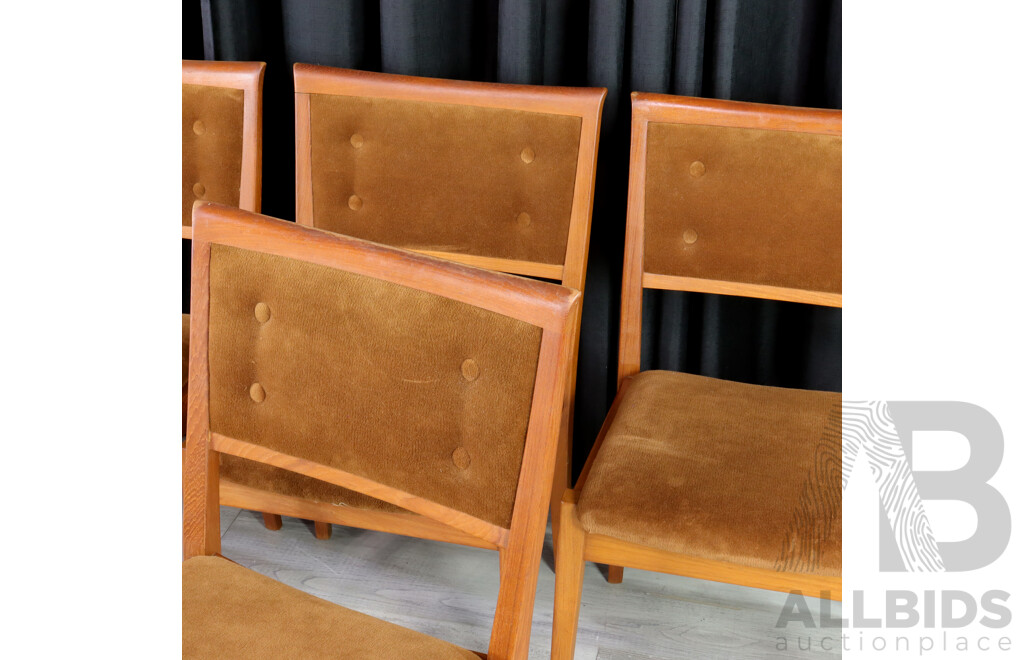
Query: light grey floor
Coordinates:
[449,591]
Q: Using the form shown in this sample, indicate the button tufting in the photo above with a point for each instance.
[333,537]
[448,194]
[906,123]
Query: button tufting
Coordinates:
[262,312]
[355,203]
[257,393]
[470,369]
[527,155]
[356,140]
[461,458]
[199,127]
[199,189]
[690,236]
[697,169]
[523,219]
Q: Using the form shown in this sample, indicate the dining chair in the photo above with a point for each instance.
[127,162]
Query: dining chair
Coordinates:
[221,123]
[697,476]
[430,385]
[491,175]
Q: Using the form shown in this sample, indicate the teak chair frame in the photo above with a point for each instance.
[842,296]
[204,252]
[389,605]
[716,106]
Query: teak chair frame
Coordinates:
[248,77]
[585,103]
[577,545]
[554,309]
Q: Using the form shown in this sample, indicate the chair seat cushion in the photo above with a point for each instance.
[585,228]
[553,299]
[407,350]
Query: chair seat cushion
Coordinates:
[721,470]
[232,612]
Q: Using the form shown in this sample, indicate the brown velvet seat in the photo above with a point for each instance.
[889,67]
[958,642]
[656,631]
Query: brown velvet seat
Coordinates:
[697,476]
[721,470]
[224,603]
[348,363]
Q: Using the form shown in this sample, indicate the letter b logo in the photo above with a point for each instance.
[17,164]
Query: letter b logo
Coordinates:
[883,431]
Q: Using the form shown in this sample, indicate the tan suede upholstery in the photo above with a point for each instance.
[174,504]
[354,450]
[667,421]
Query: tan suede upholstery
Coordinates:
[232,612]
[744,205]
[722,470]
[211,146]
[368,377]
[450,178]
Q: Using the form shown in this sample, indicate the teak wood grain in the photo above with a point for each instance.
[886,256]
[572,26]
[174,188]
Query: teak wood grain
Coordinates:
[569,572]
[735,114]
[617,553]
[271,521]
[745,289]
[585,103]
[553,308]
[201,478]
[520,559]
[608,550]
[315,79]
[516,266]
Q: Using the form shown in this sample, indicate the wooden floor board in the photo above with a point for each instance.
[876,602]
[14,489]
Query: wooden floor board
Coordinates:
[449,591]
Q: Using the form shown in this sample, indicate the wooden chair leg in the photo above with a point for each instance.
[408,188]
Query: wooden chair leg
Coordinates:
[614,574]
[322,530]
[558,487]
[272,521]
[568,582]
[563,463]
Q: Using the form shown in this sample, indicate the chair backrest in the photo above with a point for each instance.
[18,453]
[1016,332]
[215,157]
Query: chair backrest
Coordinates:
[731,198]
[221,124]
[431,385]
[492,175]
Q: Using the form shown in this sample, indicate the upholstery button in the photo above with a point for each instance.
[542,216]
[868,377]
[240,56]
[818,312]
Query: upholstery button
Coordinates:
[262,312]
[257,393]
[355,203]
[199,127]
[470,369]
[527,155]
[690,236]
[199,189]
[523,219]
[697,169]
[461,458]
[356,140]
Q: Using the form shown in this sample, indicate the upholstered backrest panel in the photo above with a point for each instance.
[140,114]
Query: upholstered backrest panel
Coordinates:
[211,146]
[450,178]
[412,390]
[744,205]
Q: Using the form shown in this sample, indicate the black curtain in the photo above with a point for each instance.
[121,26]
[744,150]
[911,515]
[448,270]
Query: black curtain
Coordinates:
[771,51]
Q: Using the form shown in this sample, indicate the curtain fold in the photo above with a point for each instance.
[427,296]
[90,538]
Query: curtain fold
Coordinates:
[770,51]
